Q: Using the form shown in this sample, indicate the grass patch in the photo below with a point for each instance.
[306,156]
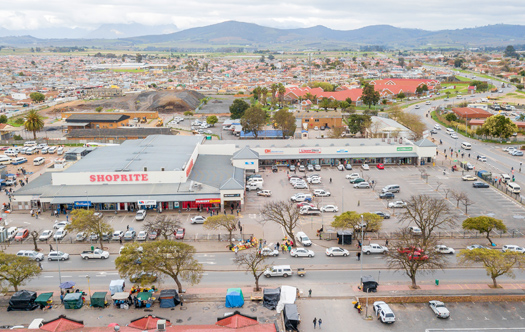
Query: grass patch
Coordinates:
[463,79]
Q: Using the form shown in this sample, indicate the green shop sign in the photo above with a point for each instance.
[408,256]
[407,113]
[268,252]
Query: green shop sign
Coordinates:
[404,148]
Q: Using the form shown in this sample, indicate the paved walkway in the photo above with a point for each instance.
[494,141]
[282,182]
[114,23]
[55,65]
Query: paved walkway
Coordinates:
[443,287]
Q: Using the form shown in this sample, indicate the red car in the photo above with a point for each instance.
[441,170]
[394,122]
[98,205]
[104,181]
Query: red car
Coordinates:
[300,205]
[409,250]
[380,166]
[179,233]
[22,234]
[3,148]
[418,256]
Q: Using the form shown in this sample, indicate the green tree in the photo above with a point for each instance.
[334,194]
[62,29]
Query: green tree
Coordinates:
[86,221]
[495,262]
[238,108]
[226,222]
[253,263]
[451,117]
[264,95]
[273,90]
[212,120]
[421,89]
[401,96]
[519,86]
[17,270]
[285,121]
[253,120]
[3,118]
[510,52]
[357,123]
[484,224]
[324,103]
[370,222]
[33,122]
[37,97]
[281,90]
[99,109]
[163,225]
[369,96]
[344,105]
[138,57]
[499,126]
[165,257]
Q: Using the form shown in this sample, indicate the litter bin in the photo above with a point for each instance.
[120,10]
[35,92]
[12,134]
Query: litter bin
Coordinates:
[437,282]
[92,248]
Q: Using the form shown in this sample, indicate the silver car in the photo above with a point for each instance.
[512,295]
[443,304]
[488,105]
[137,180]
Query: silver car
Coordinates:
[57,256]
[362,185]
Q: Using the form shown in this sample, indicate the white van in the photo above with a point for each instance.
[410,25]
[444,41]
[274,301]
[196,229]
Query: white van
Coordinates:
[60,150]
[255,180]
[466,145]
[5,160]
[303,239]
[450,131]
[513,188]
[11,153]
[39,161]
[30,143]
[11,232]
[19,160]
[254,186]
[30,151]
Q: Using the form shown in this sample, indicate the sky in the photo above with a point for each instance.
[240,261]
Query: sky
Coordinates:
[335,14]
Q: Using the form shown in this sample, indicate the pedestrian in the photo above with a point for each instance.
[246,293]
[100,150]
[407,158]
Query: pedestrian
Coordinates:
[469,155]
[120,240]
[240,229]
[40,266]
[320,321]
[358,244]
[315,322]
[32,213]
[358,256]
[51,248]
[282,248]
[36,215]
[67,217]
[310,292]
[277,246]
[232,210]
[386,243]
[330,180]
[127,227]
[62,298]
[237,211]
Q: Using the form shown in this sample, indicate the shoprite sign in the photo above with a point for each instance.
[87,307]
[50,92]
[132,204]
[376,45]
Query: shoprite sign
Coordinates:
[119,177]
[404,148]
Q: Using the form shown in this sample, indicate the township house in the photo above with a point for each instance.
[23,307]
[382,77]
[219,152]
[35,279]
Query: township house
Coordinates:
[471,113]
[96,121]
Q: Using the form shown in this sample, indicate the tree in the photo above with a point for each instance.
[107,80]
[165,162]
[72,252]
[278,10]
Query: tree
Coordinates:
[499,126]
[283,213]
[256,93]
[336,132]
[451,117]
[344,105]
[34,236]
[466,201]
[170,258]
[519,86]
[324,103]
[17,270]
[238,108]
[285,121]
[484,224]
[273,89]
[421,89]
[264,94]
[3,118]
[138,57]
[429,214]
[401,96]
[353,220]
[86,221]
[281,90]
[253,120]
[163,225]
[414,262]
[357,123]
[401,62]
[33,122]
[510,52]
[369,96]
[99,109]
[37,97]
[253,263]
[212,120]
[495,262]
[227,222]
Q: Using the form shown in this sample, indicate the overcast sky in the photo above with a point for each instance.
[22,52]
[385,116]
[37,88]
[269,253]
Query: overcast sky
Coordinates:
[335,14]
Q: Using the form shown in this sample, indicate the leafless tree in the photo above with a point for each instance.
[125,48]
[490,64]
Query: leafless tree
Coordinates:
[458,197]
[163,225]
[438,184]
[428,213]
[253,263]
[412,257]
[447,191]
[34,237]
[284,213]
[466,201]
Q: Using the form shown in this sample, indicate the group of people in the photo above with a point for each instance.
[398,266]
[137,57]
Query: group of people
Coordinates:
[286,246]
[318,321]
[35,213]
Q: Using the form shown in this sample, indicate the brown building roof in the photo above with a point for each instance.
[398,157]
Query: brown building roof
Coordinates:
[471,112]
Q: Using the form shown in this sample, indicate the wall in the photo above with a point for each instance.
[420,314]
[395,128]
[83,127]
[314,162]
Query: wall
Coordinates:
[318,122]
[217,149]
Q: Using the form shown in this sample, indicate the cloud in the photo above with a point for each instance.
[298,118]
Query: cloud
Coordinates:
[340,15]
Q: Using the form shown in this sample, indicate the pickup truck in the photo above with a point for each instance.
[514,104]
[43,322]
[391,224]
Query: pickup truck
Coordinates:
[374,248]
[95,254]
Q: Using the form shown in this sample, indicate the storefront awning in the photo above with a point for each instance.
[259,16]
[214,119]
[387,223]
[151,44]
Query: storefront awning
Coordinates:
[337,156]
[135,198]
[77,124]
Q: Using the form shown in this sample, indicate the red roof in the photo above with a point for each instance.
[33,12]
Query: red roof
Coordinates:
[62,323]
[237,321]
[471,112]
[147,323]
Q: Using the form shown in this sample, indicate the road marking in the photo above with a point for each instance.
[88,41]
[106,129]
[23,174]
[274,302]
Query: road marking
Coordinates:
[67,276]
[54,276]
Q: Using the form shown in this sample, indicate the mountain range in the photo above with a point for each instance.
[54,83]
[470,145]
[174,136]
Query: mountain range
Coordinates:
[253,36]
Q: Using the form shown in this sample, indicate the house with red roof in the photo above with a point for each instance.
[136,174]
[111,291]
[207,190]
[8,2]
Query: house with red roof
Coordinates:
[471,113]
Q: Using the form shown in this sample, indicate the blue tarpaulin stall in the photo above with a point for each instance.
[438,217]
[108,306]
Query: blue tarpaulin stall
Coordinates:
[168,298]
[234,298]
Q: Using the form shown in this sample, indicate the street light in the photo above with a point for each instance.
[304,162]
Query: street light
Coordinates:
[89,288]
[361,258]
[58,262]
[87,200]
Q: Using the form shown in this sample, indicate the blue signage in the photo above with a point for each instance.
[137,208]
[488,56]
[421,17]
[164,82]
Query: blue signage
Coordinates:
[82,203]
[341,151]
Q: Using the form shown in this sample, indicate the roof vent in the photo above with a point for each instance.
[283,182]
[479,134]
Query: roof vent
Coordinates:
[161,324]
[347,144]
[162,169]
[145,169]
[362,144]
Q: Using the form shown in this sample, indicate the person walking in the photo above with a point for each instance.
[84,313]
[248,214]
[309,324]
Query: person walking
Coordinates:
[386,243]
[62,298]
[358,256]
[51,248]
[310,292]
[315,322]
[320,321]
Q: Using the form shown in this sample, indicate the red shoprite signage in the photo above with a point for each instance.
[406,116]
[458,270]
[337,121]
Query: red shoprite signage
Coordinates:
[119,178]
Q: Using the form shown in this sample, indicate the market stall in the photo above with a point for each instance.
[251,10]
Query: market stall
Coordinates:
[23,301]
[98,299]
[143,300]
[73,301]
[116,286]
[168,298]
[44,299]
[121,300]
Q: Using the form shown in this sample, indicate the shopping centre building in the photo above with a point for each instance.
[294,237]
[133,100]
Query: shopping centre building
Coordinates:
[165,172]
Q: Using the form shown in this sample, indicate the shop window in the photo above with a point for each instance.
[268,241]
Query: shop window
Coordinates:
[316,120]
[306,120]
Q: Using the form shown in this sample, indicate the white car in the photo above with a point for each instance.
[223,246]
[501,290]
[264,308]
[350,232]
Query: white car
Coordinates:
[142,236]
[141,215]
[60,234]
[341,167]
[301,252]
[352,176]
[397,204]
[329,208]
[45,235]
[513,248]
[454,136]
[442,249]
[81,236]
[439,309]
[469,177]
[266,193]
[437,127]
[365,167]
[61,224]
[300,185]
[362,185]
[198,220]
[117,235]
[269,252]
[321,193]
[383,312]
[336,251]
[415,230]
[314,180]
[483,159]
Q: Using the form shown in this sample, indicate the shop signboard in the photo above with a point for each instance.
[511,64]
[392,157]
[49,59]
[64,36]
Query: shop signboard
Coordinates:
[232,195]
[273,151]
[207,200]
[309,150]
[404,148]
[82,203]
[341,151]
[147,202]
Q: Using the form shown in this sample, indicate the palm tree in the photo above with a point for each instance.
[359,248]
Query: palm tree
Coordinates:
[282,91]
[264,92]
[273,90]
[34,122]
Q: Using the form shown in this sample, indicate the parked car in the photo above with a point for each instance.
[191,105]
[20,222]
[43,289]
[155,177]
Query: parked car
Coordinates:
[37,256]
[292,168]
[117,235]
[385,215]
[341,167]
[382,310]
[387,195]
[417,256]
[301,252]
[321,193]
[130,235]
[479,184]
[57,256]
[397,204]
[22,234]
[336,251]
[61,224]
[476,246]
[302,168]
[314,180]
[317,167]
[60,234]
[348,167]
[469,177]
[415,230]
[362,185]
[152,235]
[329,208]
[310,168]
[81,236]
[179,233]
[352,176]
[380,166]
[300,185]
[357,180]
[365,167]
[517,153]
[141,215]
[442,249]
[439,309]
[198,220]
[512,248]
[266,193]
[142,236]
[305,204]
[45,235]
